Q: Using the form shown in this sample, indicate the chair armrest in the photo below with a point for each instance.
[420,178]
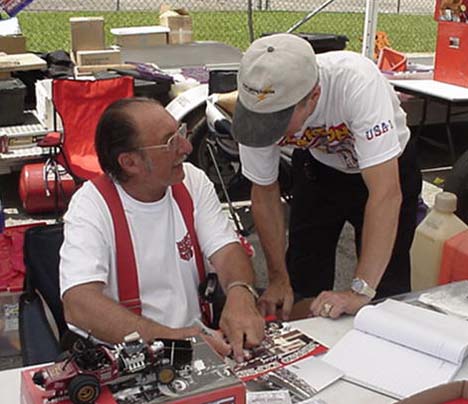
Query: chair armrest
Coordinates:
[52,139]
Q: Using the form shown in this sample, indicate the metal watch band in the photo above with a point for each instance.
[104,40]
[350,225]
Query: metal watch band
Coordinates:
[246,285]
[364,290]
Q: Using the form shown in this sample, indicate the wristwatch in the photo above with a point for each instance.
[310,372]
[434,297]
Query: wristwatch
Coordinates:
[361,287]
[246,285]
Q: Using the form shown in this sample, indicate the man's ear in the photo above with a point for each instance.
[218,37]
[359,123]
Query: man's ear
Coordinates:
[129,162]
[313,98]
[315,94]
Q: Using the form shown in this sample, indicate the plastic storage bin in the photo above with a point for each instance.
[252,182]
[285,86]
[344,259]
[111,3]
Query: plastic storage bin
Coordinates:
[391,60]
[12,93]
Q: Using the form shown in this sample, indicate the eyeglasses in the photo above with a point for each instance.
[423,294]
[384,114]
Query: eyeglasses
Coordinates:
[172,143]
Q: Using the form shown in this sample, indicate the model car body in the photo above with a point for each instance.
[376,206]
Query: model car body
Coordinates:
[88,366]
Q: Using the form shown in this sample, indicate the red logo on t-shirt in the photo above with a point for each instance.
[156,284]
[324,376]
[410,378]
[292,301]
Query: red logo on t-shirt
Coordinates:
[185,248]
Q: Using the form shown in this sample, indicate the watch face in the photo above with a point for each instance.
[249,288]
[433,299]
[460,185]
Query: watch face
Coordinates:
[357,285]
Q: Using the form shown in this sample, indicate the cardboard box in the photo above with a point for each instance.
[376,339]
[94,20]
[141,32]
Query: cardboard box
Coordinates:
[98,57]
[442,394]
[87,33]
[21,62]
[179,22]
[140,37]
[13,44]
[450,58]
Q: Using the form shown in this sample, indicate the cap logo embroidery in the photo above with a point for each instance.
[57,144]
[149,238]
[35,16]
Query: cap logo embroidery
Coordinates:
[260,94]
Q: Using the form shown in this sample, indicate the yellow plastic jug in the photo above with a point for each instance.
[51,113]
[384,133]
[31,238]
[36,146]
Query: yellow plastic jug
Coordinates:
[440,224]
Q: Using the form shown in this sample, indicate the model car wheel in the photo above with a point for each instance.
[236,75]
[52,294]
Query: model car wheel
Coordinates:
[166,374]
[84,389]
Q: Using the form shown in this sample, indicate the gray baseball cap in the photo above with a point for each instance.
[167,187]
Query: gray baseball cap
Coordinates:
[275,73]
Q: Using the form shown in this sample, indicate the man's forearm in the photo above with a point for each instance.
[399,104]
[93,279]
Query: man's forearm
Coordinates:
[378,237]
[268,214]
[232,264]
[88,309]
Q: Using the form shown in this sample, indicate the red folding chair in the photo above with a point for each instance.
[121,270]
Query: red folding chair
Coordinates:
[79,103]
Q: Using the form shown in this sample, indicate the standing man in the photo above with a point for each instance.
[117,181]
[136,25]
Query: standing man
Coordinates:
[353,161]
[142,151]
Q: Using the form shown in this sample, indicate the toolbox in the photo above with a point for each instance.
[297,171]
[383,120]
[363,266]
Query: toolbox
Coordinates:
[12,93]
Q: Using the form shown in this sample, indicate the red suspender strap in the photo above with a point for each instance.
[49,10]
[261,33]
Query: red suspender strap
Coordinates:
[185,202]
[127,276]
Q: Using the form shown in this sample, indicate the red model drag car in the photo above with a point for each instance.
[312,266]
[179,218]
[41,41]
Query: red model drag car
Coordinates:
[87,366]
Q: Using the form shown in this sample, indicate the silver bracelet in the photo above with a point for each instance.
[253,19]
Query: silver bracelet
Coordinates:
[246,285]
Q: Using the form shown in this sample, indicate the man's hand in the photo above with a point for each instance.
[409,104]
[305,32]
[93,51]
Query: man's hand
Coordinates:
[334,304]
[241,322]
[277,299]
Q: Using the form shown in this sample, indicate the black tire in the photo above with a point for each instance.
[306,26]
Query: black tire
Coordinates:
[229,166]
[166,374]
[84,389]
[457,183]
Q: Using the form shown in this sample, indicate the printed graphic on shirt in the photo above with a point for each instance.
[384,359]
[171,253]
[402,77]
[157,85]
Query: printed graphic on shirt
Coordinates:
[185,248]
[379,130]
[335,140]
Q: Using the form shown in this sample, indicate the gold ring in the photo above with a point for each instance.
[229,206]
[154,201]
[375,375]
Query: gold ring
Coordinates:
[326,309]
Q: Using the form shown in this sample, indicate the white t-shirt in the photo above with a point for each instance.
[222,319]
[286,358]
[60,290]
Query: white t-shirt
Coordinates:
[167,273]
[358,121]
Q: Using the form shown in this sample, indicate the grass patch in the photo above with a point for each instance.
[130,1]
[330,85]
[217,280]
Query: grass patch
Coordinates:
[46,31]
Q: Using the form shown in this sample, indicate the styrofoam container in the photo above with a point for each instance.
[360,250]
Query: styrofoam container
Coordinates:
[44,105]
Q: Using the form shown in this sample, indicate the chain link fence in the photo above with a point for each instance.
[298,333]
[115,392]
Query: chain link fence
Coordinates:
[408,23]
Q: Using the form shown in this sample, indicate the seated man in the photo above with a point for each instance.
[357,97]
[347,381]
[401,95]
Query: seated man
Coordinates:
[141,149]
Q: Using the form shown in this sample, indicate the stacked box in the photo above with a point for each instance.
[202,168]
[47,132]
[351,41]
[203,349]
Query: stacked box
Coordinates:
[98,57]
[140,37]
[13,44]
[180,27]
[87,33]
